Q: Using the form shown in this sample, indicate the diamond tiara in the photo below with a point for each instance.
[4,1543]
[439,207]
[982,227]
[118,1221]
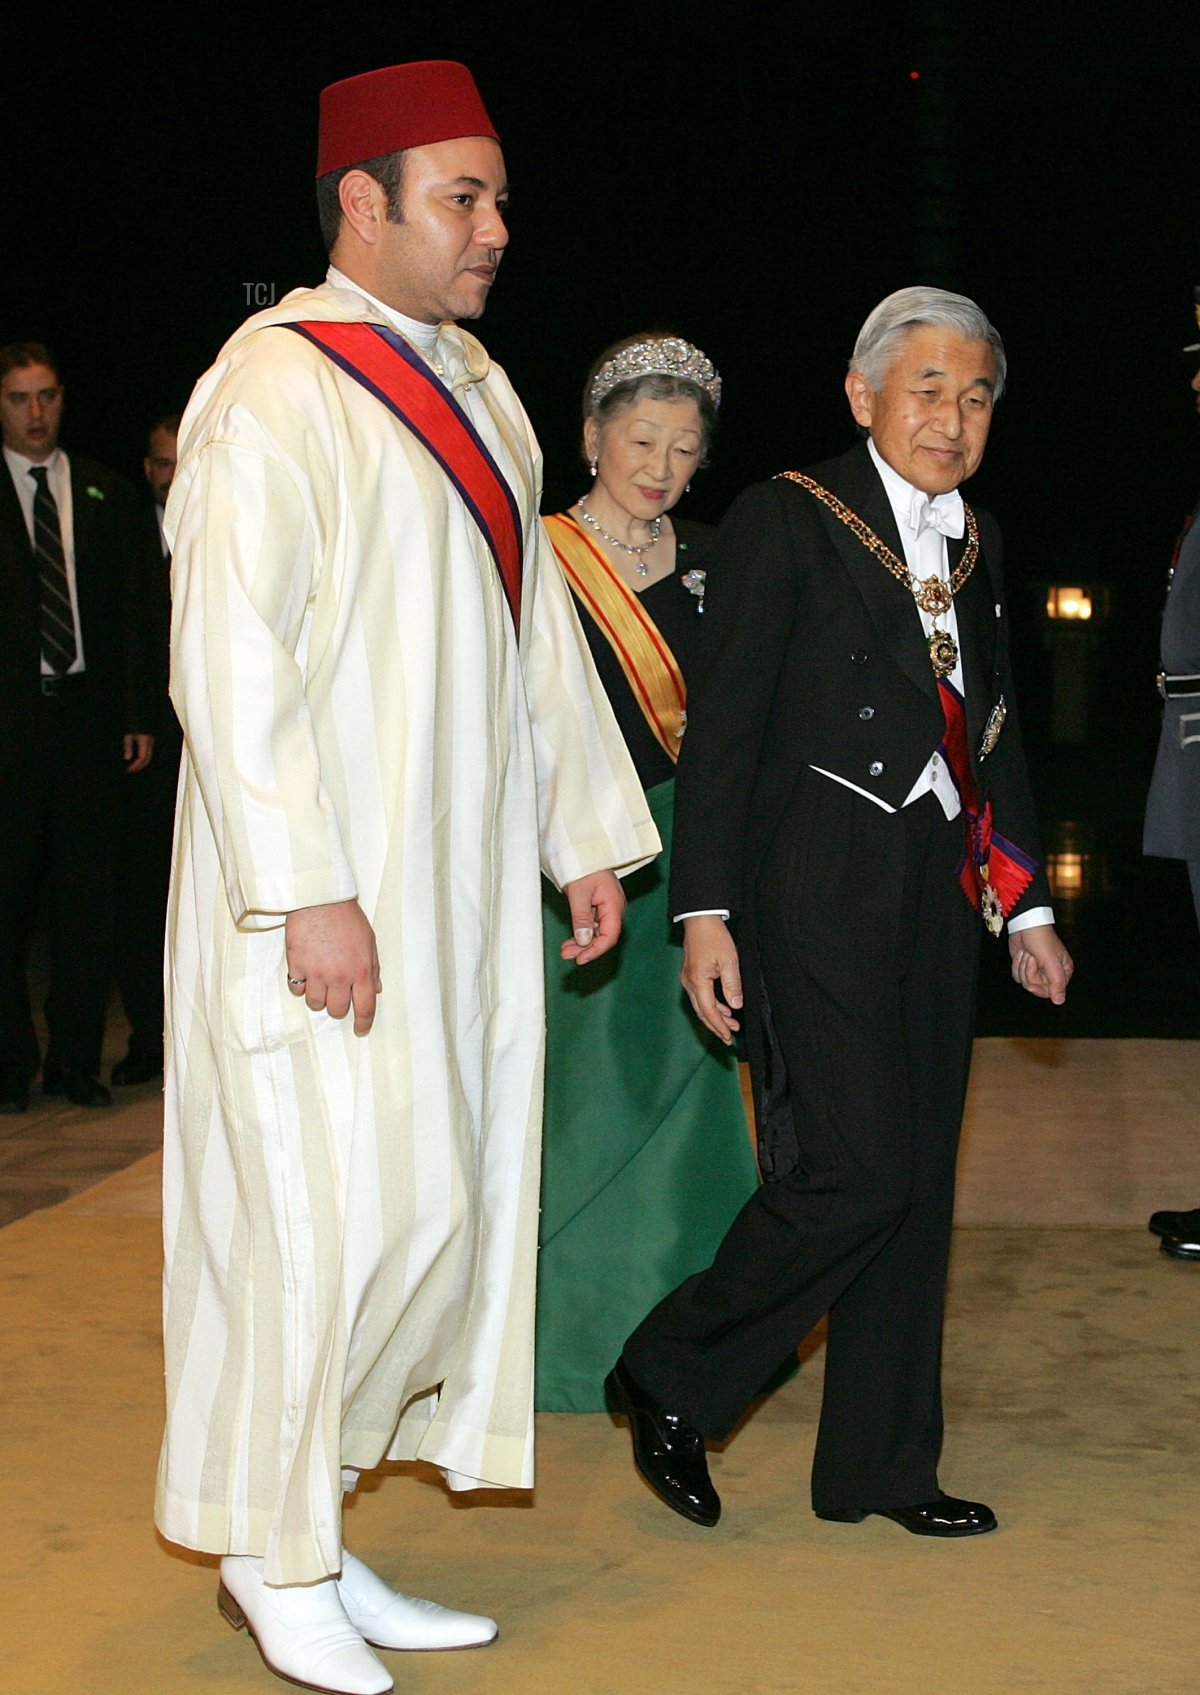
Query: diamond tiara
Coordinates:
[666,356]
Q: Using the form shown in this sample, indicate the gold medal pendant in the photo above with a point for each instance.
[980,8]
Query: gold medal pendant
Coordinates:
[943,653]
[932,595]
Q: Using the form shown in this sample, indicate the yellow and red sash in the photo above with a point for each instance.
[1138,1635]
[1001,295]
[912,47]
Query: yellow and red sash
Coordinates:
[387,367]
[648,663]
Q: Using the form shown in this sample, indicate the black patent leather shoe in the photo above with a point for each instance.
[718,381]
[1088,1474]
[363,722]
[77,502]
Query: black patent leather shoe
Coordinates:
[1181,1247]
[667,1450]
[947,1516]
[1181,1225]
[136,1068]
[76,1085]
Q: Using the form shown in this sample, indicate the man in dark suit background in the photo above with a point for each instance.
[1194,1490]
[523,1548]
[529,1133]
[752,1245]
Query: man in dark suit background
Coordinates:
[70,713]
[148,799]
[1172,829]
[852,793]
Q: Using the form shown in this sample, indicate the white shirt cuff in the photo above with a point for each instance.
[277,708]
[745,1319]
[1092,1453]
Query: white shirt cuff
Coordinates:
[1035,915]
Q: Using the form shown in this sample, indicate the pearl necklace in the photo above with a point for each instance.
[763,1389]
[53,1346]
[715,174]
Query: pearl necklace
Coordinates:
[655,531]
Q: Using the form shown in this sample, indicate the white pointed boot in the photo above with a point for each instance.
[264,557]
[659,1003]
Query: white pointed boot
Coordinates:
[388,1620]
[301,1630]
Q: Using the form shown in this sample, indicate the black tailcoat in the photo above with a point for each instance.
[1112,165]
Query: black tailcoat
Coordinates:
[859,953]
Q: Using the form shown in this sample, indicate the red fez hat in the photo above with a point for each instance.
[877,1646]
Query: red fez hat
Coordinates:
[401,106]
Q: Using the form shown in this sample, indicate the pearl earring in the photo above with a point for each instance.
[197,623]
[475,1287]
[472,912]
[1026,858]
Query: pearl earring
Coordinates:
[592,466]
[687,488]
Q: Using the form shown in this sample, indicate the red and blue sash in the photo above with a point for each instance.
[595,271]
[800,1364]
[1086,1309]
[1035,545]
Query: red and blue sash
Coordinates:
[990,861]
[387,367]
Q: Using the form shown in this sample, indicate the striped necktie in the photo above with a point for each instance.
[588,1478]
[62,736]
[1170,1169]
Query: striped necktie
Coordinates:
[58,621]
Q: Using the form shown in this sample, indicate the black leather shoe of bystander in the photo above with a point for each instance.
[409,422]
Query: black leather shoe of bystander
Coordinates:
[76,1085]
[1181,1247]
[1177,1224]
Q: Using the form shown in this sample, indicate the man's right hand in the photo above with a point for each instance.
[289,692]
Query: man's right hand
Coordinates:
[333,962]
[709,959]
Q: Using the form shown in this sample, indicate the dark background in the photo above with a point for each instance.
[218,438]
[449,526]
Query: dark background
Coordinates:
[756,187]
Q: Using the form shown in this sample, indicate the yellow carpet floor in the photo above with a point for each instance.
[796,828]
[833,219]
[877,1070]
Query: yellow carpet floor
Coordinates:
[1072,1363]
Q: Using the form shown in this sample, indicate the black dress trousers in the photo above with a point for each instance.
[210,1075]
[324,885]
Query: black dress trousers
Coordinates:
[868,951]
[59,801]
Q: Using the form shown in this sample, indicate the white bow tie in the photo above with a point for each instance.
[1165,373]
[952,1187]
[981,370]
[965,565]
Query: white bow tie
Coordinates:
[943,513]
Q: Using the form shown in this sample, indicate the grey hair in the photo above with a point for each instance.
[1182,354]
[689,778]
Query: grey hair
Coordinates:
[880,338]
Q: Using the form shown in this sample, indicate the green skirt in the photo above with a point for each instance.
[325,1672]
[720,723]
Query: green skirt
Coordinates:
[647,1158]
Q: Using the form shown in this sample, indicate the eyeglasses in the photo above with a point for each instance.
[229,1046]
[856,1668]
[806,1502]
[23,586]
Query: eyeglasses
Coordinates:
[22,399]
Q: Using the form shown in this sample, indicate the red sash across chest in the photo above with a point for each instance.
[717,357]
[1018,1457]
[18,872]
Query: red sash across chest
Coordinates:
[993,872]
[386,366]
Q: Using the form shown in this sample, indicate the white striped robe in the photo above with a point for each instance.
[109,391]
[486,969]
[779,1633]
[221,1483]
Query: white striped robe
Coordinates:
[350,1223]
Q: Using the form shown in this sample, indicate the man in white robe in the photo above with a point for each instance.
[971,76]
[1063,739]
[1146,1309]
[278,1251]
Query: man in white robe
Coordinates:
[378,763]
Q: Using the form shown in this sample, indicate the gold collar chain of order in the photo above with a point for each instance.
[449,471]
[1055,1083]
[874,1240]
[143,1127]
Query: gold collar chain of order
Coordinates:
[931,594]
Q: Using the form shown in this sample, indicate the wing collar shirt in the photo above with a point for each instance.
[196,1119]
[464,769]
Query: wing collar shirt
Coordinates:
[58,481]
[924,525]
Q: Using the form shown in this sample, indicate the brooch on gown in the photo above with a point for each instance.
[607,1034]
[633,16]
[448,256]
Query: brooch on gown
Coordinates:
[693,582]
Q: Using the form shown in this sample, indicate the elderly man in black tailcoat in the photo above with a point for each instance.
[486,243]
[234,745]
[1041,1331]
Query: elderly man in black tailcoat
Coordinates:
[853,797]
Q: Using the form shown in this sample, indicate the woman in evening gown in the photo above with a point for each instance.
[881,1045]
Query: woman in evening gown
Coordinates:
[647,1157]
